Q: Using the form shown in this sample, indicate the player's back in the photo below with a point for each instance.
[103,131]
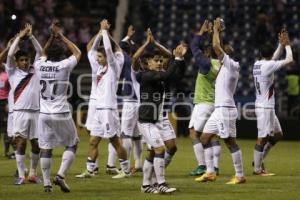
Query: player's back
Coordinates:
[263,74]
[54,83]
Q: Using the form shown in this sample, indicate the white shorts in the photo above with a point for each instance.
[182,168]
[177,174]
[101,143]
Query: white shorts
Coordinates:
[167,132]
[10,124]
[267,122]
[57,130]
[25,124]
[90,115]
[200,115]
[106,123]
[152,134]
[129,126]
[222,122]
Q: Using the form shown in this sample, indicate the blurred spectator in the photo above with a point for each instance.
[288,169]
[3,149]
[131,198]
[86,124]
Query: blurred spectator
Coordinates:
[293,81]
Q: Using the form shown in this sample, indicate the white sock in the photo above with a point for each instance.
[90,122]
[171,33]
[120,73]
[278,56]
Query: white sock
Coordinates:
[217,152]
[46,166]
[209,159]
[90,165]
[124,166]
[258,158]
[20,159]
[199,152]
[67,159]
[137,153]
[237,162]
[34,160]
[168,158]
[267,148]
[127,144]
[159,169]
[147,172]
[112,155]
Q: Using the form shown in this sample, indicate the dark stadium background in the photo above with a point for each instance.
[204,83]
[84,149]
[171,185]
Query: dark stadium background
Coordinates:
[249,23]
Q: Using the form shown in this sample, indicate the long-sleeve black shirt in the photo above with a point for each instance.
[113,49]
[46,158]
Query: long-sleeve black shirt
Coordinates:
[152,88]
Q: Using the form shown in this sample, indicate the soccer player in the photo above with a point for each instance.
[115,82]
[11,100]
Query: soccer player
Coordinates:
[152,81]
[106,119]
[222,120]
[208,68]
[56,126]
[24,84]
[268,126]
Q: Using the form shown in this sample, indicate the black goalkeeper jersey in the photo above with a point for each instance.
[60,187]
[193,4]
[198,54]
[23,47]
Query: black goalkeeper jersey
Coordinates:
[152,88]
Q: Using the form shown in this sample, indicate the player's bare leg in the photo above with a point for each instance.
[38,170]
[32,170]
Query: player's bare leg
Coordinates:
[124,163]
[170,152]
[92,157]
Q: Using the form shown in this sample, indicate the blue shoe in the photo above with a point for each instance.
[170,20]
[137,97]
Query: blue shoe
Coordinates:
[200,170]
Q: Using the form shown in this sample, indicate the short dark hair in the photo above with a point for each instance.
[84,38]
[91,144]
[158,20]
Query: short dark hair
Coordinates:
[101,49]
[266,50]
[150,54]
[21,53]
[55,52]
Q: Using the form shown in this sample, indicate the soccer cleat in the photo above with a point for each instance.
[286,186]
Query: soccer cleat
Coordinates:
[85,174]
[47,188]
[34,179]
[149,189]
[122,174]
[263,173]
[198,171]
[20,181]
[165,189]
[112,170]
[207,177]
[236,180]
[60,181]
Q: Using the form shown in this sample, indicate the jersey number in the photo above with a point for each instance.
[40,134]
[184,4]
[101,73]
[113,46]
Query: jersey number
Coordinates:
[257,86]
[49,94]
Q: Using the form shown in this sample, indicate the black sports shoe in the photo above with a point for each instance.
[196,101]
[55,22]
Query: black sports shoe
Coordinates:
[48,188]
[60,181]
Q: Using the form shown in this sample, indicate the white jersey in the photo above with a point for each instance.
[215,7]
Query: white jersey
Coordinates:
[263,73]
[24,89]
[94,66]
[226,82]
[108,76]
[54,82]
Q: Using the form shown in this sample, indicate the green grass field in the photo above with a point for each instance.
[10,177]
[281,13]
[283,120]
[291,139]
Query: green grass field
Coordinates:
[284,160]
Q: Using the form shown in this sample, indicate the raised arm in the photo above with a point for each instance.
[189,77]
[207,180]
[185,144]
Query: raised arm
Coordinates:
[130,33]
[285,42]
[216,39]
[14,46]
[3,54]
[106,41]
[202,62]
[155,76]
[278,52]
[91,42]
[35,43]
[70,45]
[140,51]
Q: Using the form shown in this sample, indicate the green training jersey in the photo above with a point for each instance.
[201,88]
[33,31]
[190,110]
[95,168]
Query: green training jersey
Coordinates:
[205,84]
